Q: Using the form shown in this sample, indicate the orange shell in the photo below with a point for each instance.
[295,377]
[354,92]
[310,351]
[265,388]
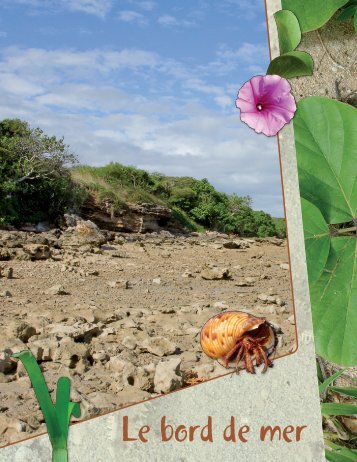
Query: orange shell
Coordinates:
[220,333]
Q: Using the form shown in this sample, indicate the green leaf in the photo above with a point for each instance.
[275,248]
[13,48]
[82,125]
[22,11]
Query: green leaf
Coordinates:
[350,454]
[288,30]
[312,14]
[317,239]
[336,456]
[347,13]
[338,409]
[292,64]
[334,301]
[326,147]
[326,143]
[329,380]
[349,391]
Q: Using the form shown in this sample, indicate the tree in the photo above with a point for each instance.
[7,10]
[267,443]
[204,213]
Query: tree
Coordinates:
[35,179]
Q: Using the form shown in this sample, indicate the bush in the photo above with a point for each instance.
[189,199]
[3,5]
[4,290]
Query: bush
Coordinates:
[35,178]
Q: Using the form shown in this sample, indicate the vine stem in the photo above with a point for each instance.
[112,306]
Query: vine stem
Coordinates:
[327,52]
[342,231]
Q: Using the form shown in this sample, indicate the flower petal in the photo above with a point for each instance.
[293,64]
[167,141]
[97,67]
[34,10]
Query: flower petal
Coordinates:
[278,104]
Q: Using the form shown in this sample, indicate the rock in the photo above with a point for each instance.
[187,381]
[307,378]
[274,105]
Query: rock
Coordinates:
[284,266]
[116,364]
[235,244]
[79,331]
[9,346]
[82,233]
[8,423]
[57,289]
[23,331]
[215,273]
[157,281]
[144,377]
[168,376]
[263,297]
[159,346]
[129,342]
[6,294]
[37,251]
[44,349]
[119,284]
[291,319]
[187,274]
[9,273]
[134,218]
[204,371]
[70,353]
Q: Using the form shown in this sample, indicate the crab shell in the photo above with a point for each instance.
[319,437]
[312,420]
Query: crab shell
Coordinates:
[221,333]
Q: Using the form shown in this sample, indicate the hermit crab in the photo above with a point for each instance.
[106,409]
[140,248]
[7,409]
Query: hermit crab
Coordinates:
[238,337]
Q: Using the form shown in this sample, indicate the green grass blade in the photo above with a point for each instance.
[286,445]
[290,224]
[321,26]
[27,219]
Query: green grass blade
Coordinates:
[342,451]
[349,391]
[338,409]
[329,380]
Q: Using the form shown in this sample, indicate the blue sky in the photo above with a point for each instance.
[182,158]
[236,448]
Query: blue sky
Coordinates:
[144,82]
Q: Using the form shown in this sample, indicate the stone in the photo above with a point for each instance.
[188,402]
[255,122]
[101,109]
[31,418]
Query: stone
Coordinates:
[284,266]
[168,376]
[70,353]
[44,349]
[157,281]
[37,251]
[6,294]
[215,273]
[119,284]
[158,346]
[263,297]
[23,331]
[57,289]
[204,371]
[235,244]
[187,274]
[129,342]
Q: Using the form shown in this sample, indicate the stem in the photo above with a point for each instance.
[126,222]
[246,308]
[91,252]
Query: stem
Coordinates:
[59,454]
[57,416]
[353,229]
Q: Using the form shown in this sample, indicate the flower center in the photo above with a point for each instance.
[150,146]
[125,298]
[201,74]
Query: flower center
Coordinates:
[259,106]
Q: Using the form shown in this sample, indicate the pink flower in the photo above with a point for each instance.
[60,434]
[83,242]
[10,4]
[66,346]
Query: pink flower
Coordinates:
[266,103]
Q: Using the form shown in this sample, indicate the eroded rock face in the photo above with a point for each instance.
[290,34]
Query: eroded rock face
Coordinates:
[133,218]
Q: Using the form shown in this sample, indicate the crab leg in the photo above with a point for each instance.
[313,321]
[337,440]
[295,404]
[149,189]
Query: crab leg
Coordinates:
[267,362]
[239,357]
[231,353]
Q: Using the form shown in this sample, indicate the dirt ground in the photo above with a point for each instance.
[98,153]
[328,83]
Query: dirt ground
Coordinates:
[123,319]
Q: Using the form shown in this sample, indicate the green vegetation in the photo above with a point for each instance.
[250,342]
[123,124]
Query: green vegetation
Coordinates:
[35,179]
[39,180]
[195,203]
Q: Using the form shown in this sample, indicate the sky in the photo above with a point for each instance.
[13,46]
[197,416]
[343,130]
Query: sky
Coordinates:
[150,83]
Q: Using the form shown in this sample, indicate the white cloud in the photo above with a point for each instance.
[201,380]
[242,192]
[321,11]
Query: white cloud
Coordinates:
[167,20]
[86,97]
[96,7]
[132,16]
[17,85]
[228,60]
